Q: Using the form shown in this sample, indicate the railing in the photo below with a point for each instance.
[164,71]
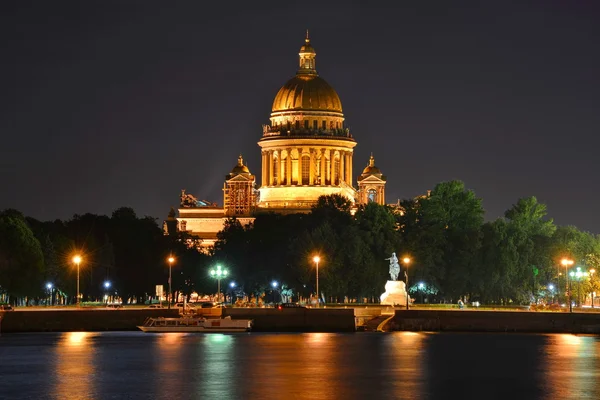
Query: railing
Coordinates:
[283,131]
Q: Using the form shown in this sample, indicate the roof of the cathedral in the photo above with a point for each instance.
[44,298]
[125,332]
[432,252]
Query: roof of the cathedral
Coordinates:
[240,168]
[307,92]
[371,169]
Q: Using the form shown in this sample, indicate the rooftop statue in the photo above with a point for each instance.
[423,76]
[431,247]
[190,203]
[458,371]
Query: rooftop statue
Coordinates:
[394,267]
[187,200]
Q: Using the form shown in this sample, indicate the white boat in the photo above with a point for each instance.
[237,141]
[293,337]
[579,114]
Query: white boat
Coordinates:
[195,324]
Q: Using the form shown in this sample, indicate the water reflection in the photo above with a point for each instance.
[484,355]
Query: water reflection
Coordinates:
[570,366]
[75,368]
[405,364]
[216,361]
[170,365]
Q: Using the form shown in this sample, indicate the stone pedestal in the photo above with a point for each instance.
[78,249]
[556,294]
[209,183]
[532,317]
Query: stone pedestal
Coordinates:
[395,294]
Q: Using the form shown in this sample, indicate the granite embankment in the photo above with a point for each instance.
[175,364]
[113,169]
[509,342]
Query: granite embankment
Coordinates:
[90,320]
[296,319]
[265,319]
[494,321]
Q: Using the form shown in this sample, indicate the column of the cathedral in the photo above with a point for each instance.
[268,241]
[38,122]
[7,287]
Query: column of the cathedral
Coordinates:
[288,167]
[348,178]
[332,167]
[299,168]
[270,168]
[350,169]
[342,166]
[263,178]
[311,172]
[323,168]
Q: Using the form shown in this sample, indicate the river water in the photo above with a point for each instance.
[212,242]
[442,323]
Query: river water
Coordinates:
[400,365]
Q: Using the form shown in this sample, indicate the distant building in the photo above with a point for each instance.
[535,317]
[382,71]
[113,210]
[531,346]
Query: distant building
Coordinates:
[307,152]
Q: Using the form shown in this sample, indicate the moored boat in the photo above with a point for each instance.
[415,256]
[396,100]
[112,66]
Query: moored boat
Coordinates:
[196,324]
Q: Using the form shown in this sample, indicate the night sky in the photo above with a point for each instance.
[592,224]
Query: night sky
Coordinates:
[124,103]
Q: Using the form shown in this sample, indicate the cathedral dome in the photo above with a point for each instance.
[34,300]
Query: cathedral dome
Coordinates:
[307,92]
[371,169]
[240,168]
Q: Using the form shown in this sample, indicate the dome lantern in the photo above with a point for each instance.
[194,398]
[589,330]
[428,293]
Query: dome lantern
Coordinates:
[307,58]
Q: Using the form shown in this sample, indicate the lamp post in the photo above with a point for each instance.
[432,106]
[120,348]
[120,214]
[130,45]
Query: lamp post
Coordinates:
[77,261]
[551,289]
[49,287]
[274,285]
[406,261]
[171,260]
[106,287]
[566,262]
[316,259]
[219,273]
[232,286]
[578,275]
[421,287]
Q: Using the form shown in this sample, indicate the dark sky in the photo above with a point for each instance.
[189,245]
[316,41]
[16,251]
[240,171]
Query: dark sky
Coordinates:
[125,103]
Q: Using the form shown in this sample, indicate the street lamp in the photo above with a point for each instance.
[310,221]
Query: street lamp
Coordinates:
[551,289]
[171,260]
[406,261]
[218,274]
[232,286]
[49,287]
[106,287]
[421,286]
[578,275]
[77,261]
[316,259]
[566,262]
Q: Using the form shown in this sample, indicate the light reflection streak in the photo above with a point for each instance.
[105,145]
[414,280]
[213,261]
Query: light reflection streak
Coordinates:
[217,363]
[570,366]
[169,348]
[405,364]
[75,367]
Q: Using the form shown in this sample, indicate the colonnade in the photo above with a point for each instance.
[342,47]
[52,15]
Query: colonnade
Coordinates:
[322,169]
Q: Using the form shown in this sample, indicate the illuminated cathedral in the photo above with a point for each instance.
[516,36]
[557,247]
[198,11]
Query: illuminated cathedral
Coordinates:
[307,152]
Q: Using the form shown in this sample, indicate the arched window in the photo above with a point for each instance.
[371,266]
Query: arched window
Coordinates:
[305,170]
[372,195]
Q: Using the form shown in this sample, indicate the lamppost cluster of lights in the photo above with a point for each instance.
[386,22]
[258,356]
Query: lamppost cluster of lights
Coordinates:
[218,273]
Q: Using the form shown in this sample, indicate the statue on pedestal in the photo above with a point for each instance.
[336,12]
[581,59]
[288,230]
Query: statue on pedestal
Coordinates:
[395,290]
[394,267]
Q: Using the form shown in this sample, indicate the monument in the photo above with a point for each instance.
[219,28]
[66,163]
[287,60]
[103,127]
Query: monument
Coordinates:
[395,290]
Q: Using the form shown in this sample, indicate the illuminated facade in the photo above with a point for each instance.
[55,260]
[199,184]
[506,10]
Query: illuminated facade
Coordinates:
[307,152]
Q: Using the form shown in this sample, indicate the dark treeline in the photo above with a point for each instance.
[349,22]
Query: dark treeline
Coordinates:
[123,249]
[453,252]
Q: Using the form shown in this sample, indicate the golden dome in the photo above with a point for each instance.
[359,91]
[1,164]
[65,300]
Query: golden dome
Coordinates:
[371,169]
[240,168]
[307,92]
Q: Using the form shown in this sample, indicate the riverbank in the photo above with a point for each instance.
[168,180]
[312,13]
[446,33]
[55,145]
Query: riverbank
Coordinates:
[494,321]
[97,320]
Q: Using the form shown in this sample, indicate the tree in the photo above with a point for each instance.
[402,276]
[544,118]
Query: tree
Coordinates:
[21,257]
[442,232]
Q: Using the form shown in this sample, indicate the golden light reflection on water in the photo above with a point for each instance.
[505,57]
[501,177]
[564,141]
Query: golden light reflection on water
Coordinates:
[405,362]
[170,366]
[570,366]
[75,367]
